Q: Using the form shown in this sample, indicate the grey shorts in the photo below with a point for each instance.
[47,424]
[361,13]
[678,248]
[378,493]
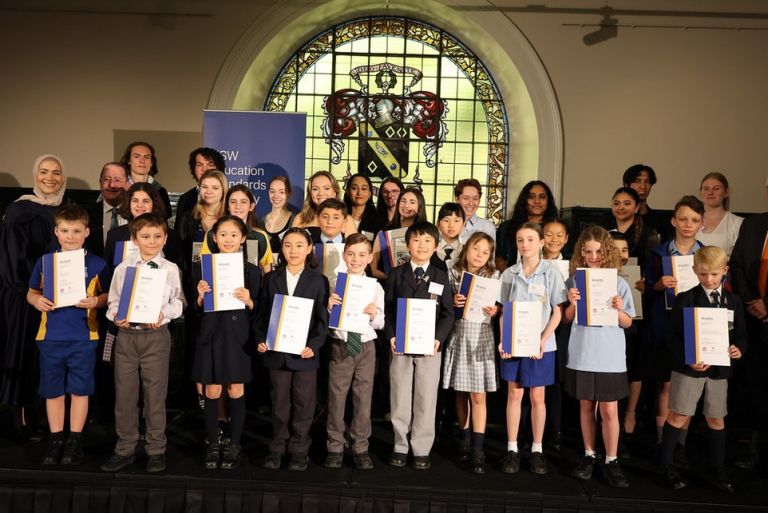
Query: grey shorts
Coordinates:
[686,392]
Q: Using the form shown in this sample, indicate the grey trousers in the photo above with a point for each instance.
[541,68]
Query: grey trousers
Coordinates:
[141,360]
[413,400]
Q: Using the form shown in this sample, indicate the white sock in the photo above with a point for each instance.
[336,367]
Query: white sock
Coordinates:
[537,447]
[589,453]
[512,446]
[609,459]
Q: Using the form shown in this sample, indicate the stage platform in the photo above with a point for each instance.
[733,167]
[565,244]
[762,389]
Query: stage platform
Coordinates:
[446,488]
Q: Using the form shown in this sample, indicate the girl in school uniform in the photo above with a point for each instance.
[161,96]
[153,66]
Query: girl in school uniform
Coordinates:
[293,378]
[532,279]
[470,361]
[322,185]
[597,367]
[222,352]
[411,208]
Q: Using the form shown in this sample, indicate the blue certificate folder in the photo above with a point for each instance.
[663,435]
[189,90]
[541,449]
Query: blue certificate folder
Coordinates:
[582,305]
[49,277]
[666,269]
[127,294]
[276,318]
[337,311]
[692,334]
[121,249]
[403,323]
[506,327]
[464,289]
[690,337]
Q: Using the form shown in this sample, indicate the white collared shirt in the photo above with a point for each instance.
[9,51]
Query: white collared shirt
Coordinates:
[292,280]
[709,293]
[456,245]
[414,266]
[376,323]
[336,240]
[477,224]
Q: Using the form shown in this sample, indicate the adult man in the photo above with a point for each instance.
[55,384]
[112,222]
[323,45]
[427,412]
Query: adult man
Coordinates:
[468,193]
[200,160]
[104,215]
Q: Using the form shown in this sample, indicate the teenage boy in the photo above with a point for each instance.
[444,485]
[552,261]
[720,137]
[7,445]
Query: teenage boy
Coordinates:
[352,366]
[331,215]
[414,379]
[450,223]
[468,193]
[67,341]
[691,382]
[142,351]
[686,220]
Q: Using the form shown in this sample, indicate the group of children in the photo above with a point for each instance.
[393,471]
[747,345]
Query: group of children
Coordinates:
[466,356]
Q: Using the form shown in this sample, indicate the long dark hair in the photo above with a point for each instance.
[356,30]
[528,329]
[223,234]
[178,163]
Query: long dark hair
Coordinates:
[520,210]
[638,220]
[421,215]
[158,207]
[381,205]
[311,260]
[253,218]
[370,208]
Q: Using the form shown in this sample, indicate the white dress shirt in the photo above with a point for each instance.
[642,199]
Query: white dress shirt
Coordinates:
[292,280]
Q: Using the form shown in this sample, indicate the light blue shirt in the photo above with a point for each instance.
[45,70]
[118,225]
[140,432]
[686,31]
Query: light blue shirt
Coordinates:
[477,224]
[600,348]
[515,286]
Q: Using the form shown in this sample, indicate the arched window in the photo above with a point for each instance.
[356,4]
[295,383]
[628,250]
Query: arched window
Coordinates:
[395,96]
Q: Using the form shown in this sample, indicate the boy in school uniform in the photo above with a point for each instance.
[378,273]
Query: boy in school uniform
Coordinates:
[67,341]
[331,215]
[691,382]
[450,224]
[352,366]
[142,351]
[414,379]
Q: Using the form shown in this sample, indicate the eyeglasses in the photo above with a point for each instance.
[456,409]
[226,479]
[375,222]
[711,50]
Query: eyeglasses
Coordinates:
[116,181]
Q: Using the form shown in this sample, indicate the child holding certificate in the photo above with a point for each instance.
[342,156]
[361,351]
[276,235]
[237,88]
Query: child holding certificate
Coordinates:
[597,368]
[691,382]
[531,279]
[352,364]
[414,378]
[687,219]
[67,339]
[142,350]
[470,360]
[222,352]
[410,210]
[293,377]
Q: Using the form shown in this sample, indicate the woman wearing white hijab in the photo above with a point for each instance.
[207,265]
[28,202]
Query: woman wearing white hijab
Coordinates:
[26,233]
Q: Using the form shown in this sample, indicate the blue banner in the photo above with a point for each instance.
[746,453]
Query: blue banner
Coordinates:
[257,146]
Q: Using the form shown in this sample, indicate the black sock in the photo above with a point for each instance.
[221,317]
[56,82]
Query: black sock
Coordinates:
[75,435]
[59,435]
[478,440]
[464,435]
[669,436]
[237,418]
[212,420]
[716,438]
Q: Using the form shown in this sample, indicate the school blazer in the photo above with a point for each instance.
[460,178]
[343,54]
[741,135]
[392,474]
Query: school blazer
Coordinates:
[311,285]
[697,297]
[746,255]
[402,283]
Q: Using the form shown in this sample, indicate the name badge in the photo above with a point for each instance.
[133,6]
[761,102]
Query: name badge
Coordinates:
[537,289]
[436,288]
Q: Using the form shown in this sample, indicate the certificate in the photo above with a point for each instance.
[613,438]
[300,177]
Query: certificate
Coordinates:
[356,293]
[394,250]
[597,288]
[563,266]
[197,248]
[681,267]
[289,324]
[706,336]
[224,273]
[330,261]
[631,274]
[64,277]
[142,295]
[125,249]
[415,330]
[521,328]
[480,292]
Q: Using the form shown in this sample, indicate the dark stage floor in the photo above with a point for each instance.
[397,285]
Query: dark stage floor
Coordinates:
[447,487]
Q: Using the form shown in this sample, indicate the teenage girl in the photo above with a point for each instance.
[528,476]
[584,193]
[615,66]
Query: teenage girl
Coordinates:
[222,352]
[470,361]
[597,367]
[293,378]
[411,208]
[531,279]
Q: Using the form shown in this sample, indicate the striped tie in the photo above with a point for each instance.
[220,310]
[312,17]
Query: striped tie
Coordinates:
[354,343]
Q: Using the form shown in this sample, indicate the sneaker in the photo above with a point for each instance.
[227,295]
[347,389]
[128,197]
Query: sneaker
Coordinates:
[538,463]
[398,459]
[333,460]
[615,476]
[117,462]
[510,463]
[477,463]
[155,463]
[73,451]
[299,461]
[53,451]
[363,461]
[233,455]
[272,461]
[584,469]
[212,456]
[421,462]
[464,449]
[673,479]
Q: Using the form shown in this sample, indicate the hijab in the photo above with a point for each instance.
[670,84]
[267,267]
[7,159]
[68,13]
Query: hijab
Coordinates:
[37,196]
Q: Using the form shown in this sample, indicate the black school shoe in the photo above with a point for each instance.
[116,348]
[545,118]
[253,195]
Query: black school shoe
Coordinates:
[719,478]
[212,456]
[73,450]
[299,461]
[584,469]
[421,463]
[673,479]
[233,455]
[614,475]
[117,462]
[333,460]
[272,461]
[363,461]
[538,463]
[477,463]
[398,459]
[53,451]
[464,450]
[510,463]
[155,463]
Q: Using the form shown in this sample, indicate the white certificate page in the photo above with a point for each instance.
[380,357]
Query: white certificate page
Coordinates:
[417,327]
[525,336]
[602,286]
[482,293]
[228,275]
[289,322]
[712,336]
[69,277]
[147,297]
[358,294]
[631,274]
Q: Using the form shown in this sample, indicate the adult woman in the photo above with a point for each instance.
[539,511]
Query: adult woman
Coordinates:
[386,203]
[280,218]
[411,208]
[640,236]
[534,204]
[359,200]
[140,161]
[720,226]
[321,186]
[193,225]
[26,234]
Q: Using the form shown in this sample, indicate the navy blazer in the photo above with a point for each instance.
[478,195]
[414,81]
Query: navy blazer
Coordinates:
[746,256]
[697,297]
[401,283]
[311,285]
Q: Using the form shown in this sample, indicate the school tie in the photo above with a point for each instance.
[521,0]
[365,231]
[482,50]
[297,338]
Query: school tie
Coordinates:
[113,222]
[152,265]
[418,273]
[715,296]
[762,274]
[329,241]
[448,250]
[354,343]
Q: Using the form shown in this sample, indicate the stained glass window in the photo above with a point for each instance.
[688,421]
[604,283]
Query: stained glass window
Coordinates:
[395,96]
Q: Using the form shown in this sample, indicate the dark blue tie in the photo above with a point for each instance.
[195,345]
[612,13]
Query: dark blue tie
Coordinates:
[418,273]
[715,296]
